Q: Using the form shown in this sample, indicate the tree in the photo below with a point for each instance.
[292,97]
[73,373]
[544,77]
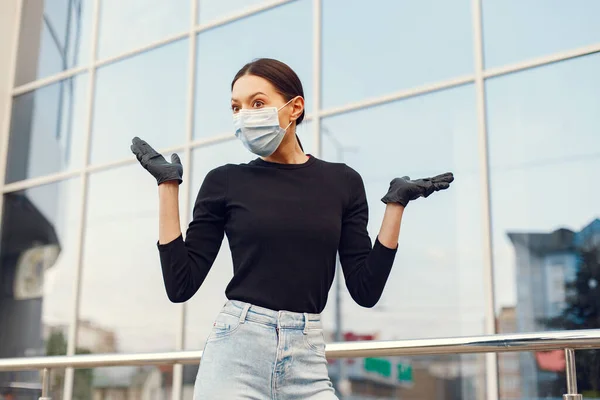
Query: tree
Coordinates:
[83,379]
[582,311]
[56,345]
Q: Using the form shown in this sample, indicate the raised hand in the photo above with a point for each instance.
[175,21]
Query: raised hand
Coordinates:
[402,190]
[156,164]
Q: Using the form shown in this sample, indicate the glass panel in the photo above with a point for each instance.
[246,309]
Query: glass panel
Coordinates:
[516,30]
[121,254]
[141,96]
[126,25]
[545,157]
[116,383]
[216,67]
[207,302]
[209,10]
[435,288]
[392,46]
[47,130]
[55,36]
[38,258]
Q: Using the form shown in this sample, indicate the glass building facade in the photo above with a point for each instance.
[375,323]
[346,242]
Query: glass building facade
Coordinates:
[506,94]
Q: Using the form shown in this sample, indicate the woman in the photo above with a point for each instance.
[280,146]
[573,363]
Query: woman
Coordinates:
[286,215]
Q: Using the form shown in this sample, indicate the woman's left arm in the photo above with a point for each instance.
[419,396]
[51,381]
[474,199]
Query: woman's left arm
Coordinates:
[390,226]
[367,267]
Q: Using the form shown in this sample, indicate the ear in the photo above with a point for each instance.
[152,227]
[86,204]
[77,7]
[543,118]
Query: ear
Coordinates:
[298,108]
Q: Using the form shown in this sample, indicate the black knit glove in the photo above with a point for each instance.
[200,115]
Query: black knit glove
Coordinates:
[156,164]
[402,190]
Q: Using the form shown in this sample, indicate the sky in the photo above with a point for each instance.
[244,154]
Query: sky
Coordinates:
[543,138]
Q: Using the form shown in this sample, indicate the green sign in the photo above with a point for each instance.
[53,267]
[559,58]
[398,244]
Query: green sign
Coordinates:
[384,368]
[405,373]
[379,366]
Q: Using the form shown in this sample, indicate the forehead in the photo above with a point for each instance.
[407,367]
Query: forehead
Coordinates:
[248,85]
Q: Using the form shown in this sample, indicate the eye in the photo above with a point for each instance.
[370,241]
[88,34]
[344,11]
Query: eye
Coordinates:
[258,104]
[235,109]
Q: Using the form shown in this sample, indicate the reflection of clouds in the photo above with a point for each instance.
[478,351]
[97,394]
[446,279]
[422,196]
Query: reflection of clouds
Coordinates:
[393,50]
[209,10]
[533,34]
[135,23]
[409,319]
[436,255]
[543,209]
[143,96]
[540,124]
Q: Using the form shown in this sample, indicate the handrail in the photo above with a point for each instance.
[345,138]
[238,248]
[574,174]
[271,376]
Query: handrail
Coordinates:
[539,341]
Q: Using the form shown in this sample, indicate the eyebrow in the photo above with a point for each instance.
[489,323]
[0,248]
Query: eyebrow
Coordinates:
[253,96]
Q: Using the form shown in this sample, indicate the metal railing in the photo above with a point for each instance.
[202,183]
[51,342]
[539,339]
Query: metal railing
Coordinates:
[569,341]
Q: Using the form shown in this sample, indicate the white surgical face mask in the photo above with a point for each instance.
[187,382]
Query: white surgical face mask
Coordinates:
[259,130]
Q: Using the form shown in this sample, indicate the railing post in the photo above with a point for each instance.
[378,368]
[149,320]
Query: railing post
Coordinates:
[571,376]
[45,384]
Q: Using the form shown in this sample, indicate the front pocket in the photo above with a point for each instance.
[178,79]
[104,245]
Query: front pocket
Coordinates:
[224,326]
[315,341]
[220,327]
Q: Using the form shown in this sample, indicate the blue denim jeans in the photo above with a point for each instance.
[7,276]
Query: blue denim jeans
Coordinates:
[257,353]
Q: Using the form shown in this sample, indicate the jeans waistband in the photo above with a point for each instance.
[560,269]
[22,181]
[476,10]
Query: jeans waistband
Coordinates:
[276,319]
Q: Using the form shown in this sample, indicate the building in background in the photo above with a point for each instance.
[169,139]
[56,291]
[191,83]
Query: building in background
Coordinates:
[545,263]
[89,336]
[392,88]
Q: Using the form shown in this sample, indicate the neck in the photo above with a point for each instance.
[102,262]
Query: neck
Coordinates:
[289,151]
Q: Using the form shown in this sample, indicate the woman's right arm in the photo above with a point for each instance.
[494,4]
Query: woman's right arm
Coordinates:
[185,264]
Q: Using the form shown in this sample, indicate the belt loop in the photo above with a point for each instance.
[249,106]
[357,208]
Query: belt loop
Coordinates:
[305,323]
[244,313]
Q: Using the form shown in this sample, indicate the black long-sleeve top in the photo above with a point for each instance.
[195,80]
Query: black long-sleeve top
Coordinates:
[285,223]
